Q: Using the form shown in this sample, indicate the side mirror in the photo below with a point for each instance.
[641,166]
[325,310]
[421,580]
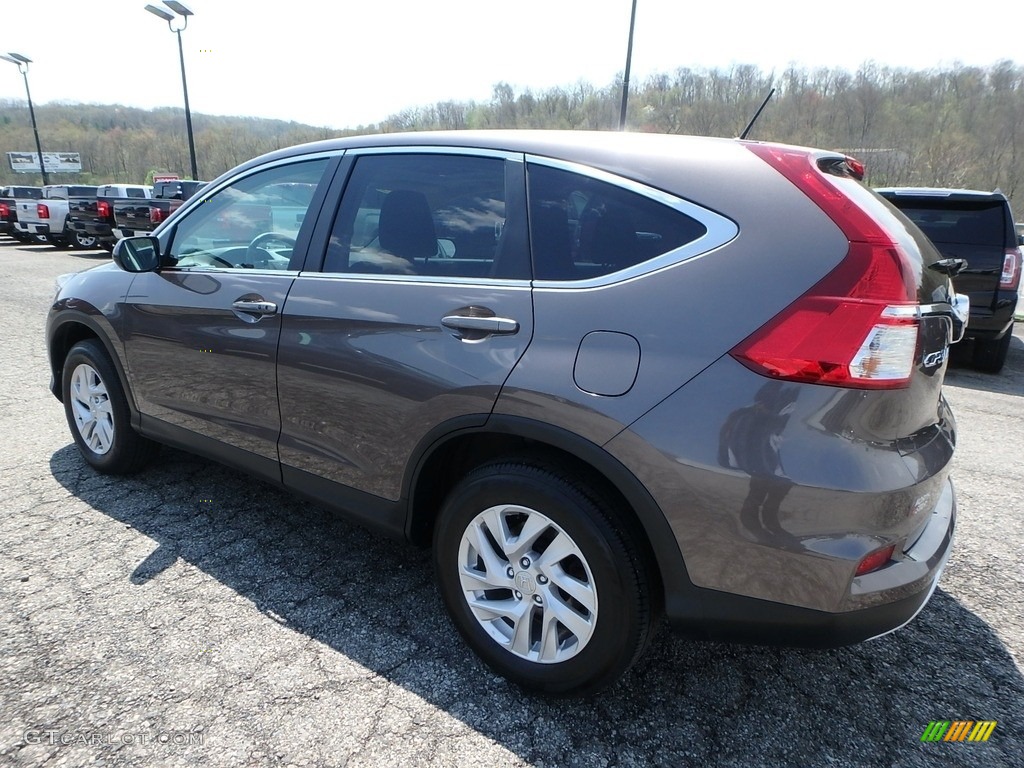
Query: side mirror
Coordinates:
[137,254]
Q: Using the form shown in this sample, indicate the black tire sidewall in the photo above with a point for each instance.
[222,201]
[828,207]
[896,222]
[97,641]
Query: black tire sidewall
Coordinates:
[613,645]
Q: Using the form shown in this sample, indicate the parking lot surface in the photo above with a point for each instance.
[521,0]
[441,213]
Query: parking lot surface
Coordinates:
[193,616]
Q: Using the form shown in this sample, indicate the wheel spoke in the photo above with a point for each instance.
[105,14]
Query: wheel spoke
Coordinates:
[549,637]
[473,580]
[521,641]
[571,620]
[494,520]
[494,567]
[560,548]
[576,589]
[534,526]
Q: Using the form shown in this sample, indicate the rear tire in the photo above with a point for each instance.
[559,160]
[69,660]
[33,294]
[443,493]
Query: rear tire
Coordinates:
[97,412]
[990,354]
[540,579]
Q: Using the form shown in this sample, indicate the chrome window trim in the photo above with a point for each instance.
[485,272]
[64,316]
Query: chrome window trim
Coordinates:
[196,200]
[720,230]
[454,282]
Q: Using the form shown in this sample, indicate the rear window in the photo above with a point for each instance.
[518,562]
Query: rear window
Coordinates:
[82,191]
[966,224]
[30,193]
[135,192]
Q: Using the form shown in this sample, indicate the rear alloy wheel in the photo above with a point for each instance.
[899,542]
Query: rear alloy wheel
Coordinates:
[539,580]
[83,240]
[990,354]
[97,412]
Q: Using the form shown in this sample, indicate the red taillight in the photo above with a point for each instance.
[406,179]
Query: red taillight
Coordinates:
[875,560]
[1010,277]
[42,211]
[103,209]
[858,326]
[5,210]
[156,215]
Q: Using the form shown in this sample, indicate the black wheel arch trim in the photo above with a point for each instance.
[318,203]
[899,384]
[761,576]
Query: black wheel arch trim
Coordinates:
[682,600]
[78,317]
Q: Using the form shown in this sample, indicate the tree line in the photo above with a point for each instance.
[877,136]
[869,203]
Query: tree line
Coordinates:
[960,126]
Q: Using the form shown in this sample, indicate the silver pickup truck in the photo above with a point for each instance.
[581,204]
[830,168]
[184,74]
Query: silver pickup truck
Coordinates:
[48,216]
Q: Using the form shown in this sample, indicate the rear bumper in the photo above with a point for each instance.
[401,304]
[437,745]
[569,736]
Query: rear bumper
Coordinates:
[988,323]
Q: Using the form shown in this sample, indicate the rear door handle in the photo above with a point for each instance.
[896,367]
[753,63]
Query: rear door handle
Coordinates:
[480,324]
[256,307]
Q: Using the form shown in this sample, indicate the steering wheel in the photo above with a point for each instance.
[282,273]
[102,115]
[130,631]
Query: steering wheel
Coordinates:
[251,256]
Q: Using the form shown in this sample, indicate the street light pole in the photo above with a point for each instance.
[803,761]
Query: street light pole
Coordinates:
[22,62]
[182,10]
[625,78]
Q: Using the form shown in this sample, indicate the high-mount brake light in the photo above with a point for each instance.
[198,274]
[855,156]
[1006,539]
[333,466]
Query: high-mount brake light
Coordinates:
[858,326]
[1009,279]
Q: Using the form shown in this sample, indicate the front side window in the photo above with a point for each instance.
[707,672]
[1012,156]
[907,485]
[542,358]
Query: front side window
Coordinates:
[421,214]
[582,227]
[251,224]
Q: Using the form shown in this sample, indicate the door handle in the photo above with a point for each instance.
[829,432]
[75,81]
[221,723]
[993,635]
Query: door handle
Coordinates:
[485,325]
[255,307]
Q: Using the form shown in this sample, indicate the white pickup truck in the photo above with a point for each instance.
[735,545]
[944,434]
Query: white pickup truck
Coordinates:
[48,216]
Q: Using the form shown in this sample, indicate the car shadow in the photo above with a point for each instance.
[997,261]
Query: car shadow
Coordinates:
[1009,381]
[374,600]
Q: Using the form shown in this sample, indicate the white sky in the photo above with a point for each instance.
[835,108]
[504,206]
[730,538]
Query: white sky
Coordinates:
[341,63]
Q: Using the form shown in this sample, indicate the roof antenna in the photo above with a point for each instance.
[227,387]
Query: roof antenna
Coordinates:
[757,114]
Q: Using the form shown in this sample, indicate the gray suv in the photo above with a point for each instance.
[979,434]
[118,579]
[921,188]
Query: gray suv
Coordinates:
[605,376]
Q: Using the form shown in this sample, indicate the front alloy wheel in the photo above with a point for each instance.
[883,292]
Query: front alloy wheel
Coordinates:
[98,414]
[90,404]
[544,577]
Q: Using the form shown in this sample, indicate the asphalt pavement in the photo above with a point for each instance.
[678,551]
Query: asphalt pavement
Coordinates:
[192,616]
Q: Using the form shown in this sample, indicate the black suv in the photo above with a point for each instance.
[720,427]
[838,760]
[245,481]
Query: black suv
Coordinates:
[978,228]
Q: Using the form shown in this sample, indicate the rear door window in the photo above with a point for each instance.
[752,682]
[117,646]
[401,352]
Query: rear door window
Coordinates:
[439,215]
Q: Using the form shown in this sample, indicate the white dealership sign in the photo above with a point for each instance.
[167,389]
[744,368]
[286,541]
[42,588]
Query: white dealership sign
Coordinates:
[56,162]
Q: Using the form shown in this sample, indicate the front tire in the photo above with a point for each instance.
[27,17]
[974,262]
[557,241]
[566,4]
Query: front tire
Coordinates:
[97,412]
[540,579]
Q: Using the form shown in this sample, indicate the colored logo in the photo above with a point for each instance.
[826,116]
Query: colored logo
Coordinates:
[958,730]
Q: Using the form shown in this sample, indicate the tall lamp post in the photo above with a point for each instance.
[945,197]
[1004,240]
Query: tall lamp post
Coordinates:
[184,12]
[22,63]
[625,78]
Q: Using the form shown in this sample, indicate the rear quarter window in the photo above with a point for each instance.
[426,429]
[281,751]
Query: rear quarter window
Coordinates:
[582,227]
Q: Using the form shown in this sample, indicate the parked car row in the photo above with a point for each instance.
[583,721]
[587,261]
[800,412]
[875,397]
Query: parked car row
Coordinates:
[86,216]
